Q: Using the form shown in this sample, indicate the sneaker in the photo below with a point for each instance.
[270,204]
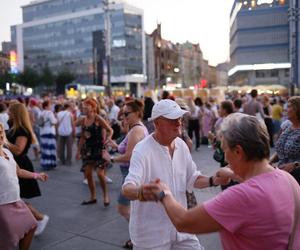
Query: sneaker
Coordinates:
[108,180]
[41,225]
[85,181]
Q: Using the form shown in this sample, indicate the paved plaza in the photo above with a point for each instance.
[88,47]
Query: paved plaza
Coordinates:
[76,227]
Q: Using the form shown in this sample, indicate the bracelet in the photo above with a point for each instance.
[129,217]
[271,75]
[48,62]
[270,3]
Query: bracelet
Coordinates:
[211,182]
[35,175]
[112,160]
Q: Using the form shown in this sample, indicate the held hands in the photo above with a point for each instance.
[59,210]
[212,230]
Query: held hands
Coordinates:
[110,143]
[224,175]
[106,155]
[151,190]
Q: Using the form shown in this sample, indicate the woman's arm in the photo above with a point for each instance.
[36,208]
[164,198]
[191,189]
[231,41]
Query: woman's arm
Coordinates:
[22,173]
[19,145]
[52,118]
[134,136]
[194,221]
[106,126]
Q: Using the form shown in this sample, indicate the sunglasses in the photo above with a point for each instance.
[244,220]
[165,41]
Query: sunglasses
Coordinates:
[127,113]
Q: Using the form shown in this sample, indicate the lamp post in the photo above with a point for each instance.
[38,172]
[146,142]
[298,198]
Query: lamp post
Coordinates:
[107,64]
[293,14]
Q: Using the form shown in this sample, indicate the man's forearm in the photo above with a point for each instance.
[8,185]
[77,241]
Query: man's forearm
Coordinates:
[130,191]
[202,182]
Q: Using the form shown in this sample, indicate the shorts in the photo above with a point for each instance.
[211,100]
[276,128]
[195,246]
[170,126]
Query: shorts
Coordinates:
[122,200]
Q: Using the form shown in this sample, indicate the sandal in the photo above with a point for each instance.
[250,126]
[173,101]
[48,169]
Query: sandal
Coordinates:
[128,245]
[89,202]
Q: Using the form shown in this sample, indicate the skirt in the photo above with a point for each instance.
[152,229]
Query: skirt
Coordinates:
[48,151]
[16,220]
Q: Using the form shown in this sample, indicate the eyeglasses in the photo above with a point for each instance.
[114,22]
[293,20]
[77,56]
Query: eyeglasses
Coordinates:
[127,113]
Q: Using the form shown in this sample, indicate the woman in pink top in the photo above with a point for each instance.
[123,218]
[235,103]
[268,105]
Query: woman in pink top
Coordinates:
[256,214]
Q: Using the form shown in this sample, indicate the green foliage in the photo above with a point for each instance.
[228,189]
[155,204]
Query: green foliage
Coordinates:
[4,78]
[29,78]
[47,78]
[64,77]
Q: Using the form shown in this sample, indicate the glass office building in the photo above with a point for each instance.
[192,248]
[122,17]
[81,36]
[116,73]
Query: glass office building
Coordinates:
[71,34]
[259,42]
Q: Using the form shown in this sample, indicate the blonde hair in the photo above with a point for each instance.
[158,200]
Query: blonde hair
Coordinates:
[21,119]
[5,141]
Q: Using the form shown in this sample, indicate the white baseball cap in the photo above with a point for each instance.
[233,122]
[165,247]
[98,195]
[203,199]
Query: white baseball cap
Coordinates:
[168,109]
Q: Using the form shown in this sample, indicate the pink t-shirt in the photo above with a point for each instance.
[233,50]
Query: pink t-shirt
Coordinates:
[256,214]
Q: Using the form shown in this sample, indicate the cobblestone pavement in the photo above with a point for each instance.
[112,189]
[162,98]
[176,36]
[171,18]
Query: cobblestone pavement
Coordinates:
[76,227]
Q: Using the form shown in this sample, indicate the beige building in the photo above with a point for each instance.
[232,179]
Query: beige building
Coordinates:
[212,80]
[190,61]
[222,74]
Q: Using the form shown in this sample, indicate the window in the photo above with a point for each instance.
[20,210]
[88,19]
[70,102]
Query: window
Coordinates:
[274,73]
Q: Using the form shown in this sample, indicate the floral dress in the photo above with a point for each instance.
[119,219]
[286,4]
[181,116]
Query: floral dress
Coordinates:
[288,148]
[93,145]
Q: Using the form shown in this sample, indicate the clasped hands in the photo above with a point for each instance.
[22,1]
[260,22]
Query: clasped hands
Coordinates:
[150,191]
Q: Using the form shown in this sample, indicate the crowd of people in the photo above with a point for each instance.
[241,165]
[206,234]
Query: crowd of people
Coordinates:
[152,144]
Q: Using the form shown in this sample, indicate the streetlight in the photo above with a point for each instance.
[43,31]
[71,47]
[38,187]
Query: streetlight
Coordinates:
[107,69]
[293,14]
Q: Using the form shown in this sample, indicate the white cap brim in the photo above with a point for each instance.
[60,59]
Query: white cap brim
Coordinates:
[174,115]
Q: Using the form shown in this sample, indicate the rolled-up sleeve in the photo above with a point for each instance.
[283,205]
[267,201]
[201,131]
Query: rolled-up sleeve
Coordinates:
[136,170]
[192,174]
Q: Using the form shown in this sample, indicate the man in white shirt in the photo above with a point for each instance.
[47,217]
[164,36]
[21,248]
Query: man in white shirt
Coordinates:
[165,156]
[65,134]
[113,111]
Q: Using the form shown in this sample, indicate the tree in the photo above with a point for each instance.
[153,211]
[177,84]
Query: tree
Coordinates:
[29,77]
[4,78]
[47,77]
[64,77]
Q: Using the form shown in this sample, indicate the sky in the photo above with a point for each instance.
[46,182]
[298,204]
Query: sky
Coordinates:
[199,21]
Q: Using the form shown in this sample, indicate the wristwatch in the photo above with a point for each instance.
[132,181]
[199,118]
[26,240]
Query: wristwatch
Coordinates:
[162,195]
[211,182]
[112,159]
[296,164]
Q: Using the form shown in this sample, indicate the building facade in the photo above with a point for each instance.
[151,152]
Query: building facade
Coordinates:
[190,58]
[150,62]
[294,23]
[259,42]
[162,60]
[4,63]
[222,74]
[77,35]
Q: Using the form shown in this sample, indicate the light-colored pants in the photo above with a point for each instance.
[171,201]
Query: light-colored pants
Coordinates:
[190,244]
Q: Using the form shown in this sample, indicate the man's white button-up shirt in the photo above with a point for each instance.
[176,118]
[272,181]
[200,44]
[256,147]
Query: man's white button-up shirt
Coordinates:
[149,224]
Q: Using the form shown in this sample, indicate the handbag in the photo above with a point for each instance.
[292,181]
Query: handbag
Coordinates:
[219,155]
[191,199]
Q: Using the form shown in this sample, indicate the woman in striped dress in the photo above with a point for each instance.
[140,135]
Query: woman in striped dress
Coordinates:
[47,135]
